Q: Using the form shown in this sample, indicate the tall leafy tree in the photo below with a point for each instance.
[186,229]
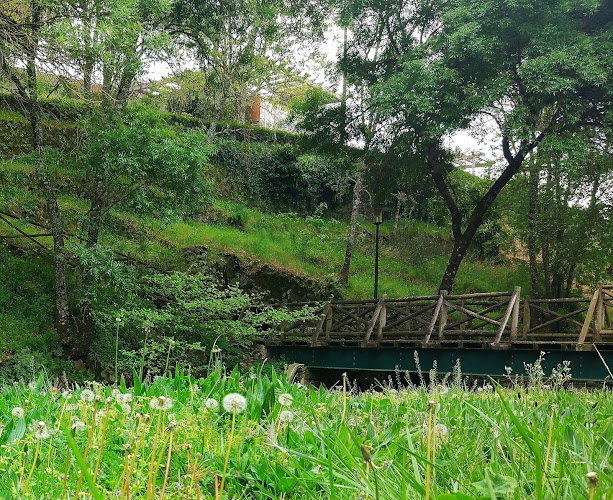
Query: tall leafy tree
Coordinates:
[239,43]
[132,159]
[536,69]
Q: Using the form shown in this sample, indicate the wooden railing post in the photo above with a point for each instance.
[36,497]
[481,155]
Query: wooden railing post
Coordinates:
[526,325]
[283,328]
[442,322]
[437,311]
[382,319]
[515,317]
[505,319]
[373,321]
[320,324]
[589,315]
[599,315]
[329,323]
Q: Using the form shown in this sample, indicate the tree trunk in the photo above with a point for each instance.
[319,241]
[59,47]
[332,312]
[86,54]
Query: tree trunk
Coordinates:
[62,311]
[462,239]
[355,208]
[460,247]
[212,132]
[400,198]
[88,71]
[343,111]
[533,186]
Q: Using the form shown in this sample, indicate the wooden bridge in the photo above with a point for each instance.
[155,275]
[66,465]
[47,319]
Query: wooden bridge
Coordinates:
[486,332]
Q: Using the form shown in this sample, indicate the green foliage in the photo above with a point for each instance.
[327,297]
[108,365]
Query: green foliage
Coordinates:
[29,344]
[180,319]
[143,164]
[278,176]
[62,109]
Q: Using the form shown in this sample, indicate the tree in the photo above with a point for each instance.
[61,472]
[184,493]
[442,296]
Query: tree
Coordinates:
[537,69]
[25,43]
[565,200]
[113,41]
[133,160]
[239,44]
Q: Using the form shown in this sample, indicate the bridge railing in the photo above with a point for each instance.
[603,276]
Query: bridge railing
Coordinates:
[498,319]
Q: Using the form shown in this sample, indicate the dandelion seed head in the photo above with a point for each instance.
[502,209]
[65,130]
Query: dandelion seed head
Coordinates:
[18,412]
[234,403]
[125,408]
[286,399]
[79,426]
[441,430]
[115,393]
[211,404]
[164,403]
[87,395]
[71,407]
[40,430]
[100,415]
[286,416]
[66,394]
[124,398]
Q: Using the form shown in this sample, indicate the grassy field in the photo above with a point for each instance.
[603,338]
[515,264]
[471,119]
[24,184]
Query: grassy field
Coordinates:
[179,437]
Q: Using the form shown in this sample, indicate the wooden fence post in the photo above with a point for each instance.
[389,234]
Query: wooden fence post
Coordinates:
[382,319]
[442,322]
[505,319]
[515,317]
[373,321]
[320,323]
[589,315]
[329,322]
[599,315]
[526,325]
[437,311]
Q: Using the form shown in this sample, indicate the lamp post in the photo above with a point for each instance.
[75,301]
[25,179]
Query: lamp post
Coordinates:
[377,219]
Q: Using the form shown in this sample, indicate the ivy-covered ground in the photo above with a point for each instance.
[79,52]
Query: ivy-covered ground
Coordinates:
[258,436]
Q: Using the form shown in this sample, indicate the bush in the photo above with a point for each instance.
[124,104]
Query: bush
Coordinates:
[278,176]
[179,320]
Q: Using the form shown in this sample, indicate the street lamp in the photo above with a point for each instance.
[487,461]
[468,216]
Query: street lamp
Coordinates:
[377,220]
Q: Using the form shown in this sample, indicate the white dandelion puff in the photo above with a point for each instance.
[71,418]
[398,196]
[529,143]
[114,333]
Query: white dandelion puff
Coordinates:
[18,412]
[234,403]
[125,407]
[211,404]
[124,398]
[161,403]
[286,399]
[115,393]
[40,430]
[79,426]
[441,430]
[87,395]
[286,416]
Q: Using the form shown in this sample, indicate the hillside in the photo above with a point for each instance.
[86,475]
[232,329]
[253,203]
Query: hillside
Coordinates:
[264,243]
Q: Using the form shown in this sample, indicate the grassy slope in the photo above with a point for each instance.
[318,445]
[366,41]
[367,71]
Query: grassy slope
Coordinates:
[310,246]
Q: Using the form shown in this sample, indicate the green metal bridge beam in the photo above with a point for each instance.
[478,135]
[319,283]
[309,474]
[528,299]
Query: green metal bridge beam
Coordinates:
[585,365]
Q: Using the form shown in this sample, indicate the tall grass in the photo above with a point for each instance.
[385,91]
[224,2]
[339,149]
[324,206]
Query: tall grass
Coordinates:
[171,437]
